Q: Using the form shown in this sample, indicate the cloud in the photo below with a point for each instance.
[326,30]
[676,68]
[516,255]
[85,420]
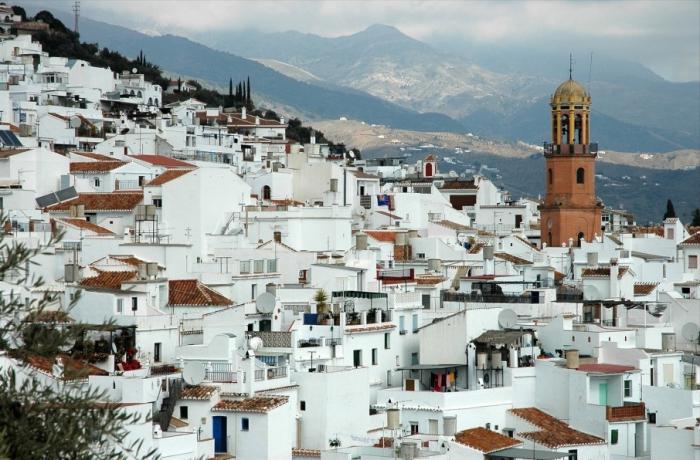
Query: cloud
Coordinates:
[664,35]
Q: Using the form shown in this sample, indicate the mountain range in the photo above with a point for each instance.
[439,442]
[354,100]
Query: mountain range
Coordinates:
[382,76]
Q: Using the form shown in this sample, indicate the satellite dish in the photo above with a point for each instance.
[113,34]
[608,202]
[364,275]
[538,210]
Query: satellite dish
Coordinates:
[690,332]
[255,343]
[193,372]
[351,154]
[462,238]
[74,121]
[134,70]
[265,302]
[507,319]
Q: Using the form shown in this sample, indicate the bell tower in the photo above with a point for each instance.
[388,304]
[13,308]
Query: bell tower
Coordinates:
[570,210]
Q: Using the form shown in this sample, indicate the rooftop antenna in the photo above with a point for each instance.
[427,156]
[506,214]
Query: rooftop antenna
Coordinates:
[571,64]
[76,12]
[590,71]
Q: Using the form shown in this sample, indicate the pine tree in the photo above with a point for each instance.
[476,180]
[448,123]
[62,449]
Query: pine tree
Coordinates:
[40,420]
[695,219]
[670,212]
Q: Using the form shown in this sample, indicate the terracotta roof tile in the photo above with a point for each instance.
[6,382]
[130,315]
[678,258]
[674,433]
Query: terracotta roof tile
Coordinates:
[369,328]
[115,201]
[642,289]
[198,392]
[85,225]
[306,453]
[382,235]
[601,272]
[476,248]
[485,440]
[604,368]
[108,280]
[260,404]
[452,225]
[192,292]
[692,239]
[429,280]
[167,176]
[7,153]
[459,185]
[94,166]
[177,423]
[94,156]
[511,258]
[553,433]
[162,160]
[129,260]
[72,368]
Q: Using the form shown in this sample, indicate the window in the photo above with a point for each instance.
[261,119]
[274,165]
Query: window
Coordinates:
[402,325]
[183,412]
[628,388]
[414,428]
[573,454]
[245,266]
[156,351]
[414,359]
[302,405]
[670,234]
[580,175]
[134,303]
[245,424]
[613,437]
[253,291]
[550,176]
[96,181]
[387,340]
[158,202]
[375,357]
[692,261]
[272,265]
[259,266]
[652,417]
[120,305]
[414,321]
[421,255]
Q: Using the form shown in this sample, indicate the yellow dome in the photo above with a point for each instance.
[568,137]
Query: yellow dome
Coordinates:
[570,91]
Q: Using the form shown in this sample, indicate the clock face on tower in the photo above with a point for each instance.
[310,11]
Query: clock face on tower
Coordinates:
[549,223]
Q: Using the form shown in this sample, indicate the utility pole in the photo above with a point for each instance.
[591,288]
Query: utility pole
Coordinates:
[76,13]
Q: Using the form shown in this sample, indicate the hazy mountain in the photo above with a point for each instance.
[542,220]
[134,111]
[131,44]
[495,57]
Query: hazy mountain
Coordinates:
[182,56]
[470,82]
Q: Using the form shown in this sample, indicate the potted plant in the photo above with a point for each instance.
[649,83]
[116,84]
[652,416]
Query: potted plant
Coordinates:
[321,299]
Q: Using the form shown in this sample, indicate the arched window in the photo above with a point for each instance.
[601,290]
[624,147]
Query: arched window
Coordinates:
[549,238]
[550,176]
[579,238]
[150,101]
[266,192]
[131,93]
[580,175]
[139,94]
[429,170]
[155,102]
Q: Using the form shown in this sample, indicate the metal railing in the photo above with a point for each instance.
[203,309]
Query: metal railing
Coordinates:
[277,372]
[221,372]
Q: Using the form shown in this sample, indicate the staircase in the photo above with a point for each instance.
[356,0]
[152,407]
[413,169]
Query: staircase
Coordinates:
[168,406]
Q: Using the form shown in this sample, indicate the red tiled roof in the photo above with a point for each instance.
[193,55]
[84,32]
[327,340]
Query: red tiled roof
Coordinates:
[236,120]
[511,258]
[197,392]
[85,225]
[129,260]
[429,280]
[108,280]
[363,175]
[485,440]
[430,157]
[72,368]
[115,201]
[476,248]
[604,368]
[381,235]
[553,432]
[192,292]
[7,153]
[602,272]
[452,225]
[94,166]
[692,239]
[162,160]
[94,156]
[388,214]
[260,404]
[459,185]
[641,289]
[168,175]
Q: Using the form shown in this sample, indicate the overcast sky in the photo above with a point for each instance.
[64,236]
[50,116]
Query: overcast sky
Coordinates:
[663,35]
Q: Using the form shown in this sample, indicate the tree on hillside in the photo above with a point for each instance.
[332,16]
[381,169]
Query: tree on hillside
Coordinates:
[670,212]
[695,219]
[40,420]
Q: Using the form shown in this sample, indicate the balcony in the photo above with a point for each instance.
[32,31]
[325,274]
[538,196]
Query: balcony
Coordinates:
[628,412]
[222,372]
[274,339]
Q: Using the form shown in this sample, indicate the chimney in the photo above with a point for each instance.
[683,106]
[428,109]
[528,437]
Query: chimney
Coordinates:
[244,115]
[281,120]
[257,120]
[572,359]
[277,236]
[313,138]
[614,283]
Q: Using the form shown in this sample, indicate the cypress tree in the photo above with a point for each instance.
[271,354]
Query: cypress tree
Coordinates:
[695,222]
[247,99]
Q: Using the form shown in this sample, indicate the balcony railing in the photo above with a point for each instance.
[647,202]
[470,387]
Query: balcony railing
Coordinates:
[222,372]
[274,339]
[633,411]
[276,372]
[570,149]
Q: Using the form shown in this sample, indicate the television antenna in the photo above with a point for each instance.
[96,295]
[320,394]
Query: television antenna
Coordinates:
[76,15]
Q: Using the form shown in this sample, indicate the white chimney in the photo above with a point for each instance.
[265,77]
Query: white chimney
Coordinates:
[281,120]
[250,378]
[614,283]
[257,120]
[244,115]
[313,138]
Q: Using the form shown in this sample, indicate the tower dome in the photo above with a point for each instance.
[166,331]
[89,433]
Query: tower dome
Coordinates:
[570,91]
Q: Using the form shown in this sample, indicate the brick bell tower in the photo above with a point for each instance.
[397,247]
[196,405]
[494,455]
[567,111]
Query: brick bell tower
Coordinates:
[570,209]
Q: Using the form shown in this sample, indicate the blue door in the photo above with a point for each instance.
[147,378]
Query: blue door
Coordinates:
[219,427]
